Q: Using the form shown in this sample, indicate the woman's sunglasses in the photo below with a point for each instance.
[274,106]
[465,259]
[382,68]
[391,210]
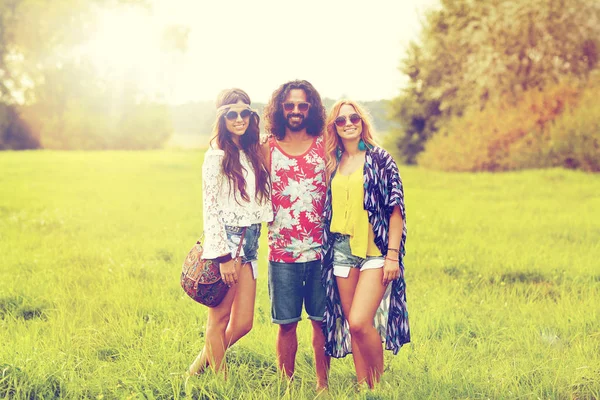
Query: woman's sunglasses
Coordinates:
[302,107]
[341,120]
[233,115]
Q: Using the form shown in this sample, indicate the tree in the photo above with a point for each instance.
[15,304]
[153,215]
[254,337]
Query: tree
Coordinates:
[15,133]
[77,110]
[55,98]
[472,53]
[40,34]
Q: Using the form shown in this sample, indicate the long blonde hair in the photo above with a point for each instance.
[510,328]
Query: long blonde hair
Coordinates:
[333,143]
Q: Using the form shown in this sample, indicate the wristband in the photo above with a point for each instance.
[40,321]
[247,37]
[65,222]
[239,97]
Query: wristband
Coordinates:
[223,259]
[392,259]
[394,250]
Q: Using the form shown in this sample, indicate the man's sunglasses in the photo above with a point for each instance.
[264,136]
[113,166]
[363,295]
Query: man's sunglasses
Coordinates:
[233,115]
[302,107]
[341,120]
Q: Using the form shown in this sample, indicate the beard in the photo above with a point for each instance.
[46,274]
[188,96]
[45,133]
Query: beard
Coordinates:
[295,126]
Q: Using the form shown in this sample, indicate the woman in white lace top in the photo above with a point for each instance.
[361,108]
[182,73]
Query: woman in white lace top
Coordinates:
[236,191]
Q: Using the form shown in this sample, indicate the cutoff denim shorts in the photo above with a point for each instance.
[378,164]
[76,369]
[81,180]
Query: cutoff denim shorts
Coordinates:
[249,250]
[290,285]
[343,259]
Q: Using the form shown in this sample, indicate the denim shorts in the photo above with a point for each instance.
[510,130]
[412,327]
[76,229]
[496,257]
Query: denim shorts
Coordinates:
[249,250]
[343,259]
[292,284]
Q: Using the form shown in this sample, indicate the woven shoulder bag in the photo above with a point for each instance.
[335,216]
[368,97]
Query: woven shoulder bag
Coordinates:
[201,277]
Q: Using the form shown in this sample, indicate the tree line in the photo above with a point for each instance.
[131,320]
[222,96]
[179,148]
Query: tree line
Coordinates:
[492,85]
[52,98]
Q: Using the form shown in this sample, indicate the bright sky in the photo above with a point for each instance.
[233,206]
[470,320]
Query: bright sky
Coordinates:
[344,48]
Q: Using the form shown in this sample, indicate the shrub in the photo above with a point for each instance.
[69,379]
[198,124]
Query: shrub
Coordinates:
[575,136]
[535,131]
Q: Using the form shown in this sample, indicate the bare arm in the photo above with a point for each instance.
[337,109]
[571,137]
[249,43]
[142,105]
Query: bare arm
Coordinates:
[266,150]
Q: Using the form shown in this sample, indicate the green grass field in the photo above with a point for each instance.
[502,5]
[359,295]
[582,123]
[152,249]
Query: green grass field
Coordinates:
[502,271]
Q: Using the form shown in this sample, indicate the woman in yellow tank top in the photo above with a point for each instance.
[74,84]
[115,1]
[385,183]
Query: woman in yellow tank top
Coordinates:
[363,263]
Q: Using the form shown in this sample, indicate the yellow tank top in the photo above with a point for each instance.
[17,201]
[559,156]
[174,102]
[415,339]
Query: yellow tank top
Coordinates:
[349,216]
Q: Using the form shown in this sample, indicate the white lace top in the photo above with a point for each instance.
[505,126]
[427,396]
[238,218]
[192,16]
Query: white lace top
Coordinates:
[220,208]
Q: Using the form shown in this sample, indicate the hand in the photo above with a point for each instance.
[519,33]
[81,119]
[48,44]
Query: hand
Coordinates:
[228,272]
[391,271]
[264,138]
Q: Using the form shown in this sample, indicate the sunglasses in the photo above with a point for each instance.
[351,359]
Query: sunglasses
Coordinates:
[233,115]
[302,107]
[341,120]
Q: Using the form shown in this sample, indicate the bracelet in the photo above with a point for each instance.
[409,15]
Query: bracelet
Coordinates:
[223,259]
[394,250]
[392,259]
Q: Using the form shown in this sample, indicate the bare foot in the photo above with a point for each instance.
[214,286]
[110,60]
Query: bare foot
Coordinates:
[199,364]
[322,391]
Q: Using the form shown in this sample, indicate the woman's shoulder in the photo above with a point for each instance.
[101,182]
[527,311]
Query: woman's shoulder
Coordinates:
[212,158]
[381,154]
[213,152]
[213,148]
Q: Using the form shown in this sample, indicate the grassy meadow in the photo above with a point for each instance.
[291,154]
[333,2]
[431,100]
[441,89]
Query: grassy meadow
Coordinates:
[502,271]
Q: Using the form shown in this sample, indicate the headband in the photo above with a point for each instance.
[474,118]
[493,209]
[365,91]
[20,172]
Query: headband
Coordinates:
[236,107]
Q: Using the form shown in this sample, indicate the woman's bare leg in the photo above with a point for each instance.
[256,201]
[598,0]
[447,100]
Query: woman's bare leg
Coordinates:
[346,289]
[229,321]
[215,344]
[242,311]
[367,297]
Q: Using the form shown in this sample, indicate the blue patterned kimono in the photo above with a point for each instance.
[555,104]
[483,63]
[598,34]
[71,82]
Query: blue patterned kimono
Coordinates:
[383,191]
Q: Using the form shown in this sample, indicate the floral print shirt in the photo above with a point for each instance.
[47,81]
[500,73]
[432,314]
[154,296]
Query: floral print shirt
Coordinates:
[383,191]
[220,208]
[298,195]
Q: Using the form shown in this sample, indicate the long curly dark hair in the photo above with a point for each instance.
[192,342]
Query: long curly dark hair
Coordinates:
[249,143]
[274,119]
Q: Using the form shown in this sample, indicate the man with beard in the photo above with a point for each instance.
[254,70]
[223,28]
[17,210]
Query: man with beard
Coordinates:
[295,117]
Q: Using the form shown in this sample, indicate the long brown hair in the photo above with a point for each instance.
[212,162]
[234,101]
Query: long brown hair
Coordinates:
[249,143]
[333,143]
[274,119]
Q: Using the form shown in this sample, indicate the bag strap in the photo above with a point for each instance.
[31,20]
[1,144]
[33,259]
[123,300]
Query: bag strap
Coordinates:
[237,253]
